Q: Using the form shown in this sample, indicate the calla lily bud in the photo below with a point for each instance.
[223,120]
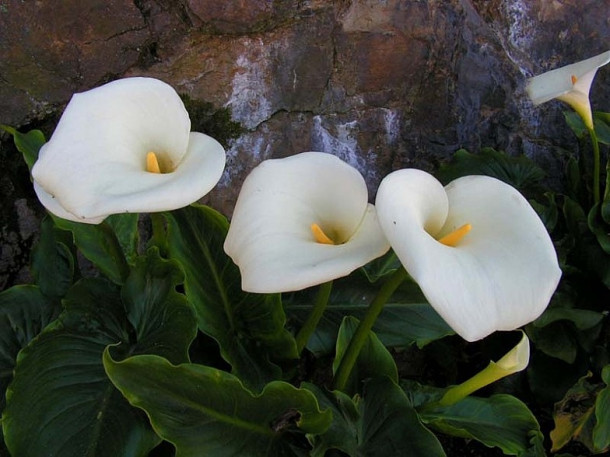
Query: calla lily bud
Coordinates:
[514,361]
[570,84]
[301,221]
[124,147]
[476,248]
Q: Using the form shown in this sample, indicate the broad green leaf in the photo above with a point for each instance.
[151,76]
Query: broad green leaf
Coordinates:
[24,312]
[599,227]
[575,123]
[604,116]
[100,244]
[80,412]
[586,253]
[556,340]
[381,266]
[405,320]
[549,213]
[125,226]
[52,261]
[381,423]
[205,411]
[600,120]
[163,319]
[373,361]
[248,327]
[583,319]
[520,172]
[501,421]
[343,431]
[27,143]
[601,431]
[602,127]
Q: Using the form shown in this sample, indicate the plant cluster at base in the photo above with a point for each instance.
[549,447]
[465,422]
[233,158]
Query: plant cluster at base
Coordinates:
[278,333]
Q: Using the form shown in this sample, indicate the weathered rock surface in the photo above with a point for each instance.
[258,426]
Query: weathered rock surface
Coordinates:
[382,84]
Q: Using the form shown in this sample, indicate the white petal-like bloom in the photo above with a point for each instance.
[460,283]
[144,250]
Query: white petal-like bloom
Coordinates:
[516,359]
[499,275]
[98,161]
[301,221]
[570,84]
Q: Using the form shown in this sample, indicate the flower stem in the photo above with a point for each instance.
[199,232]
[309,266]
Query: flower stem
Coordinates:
[483,378]
[365,326]
[596,165]
[314,317]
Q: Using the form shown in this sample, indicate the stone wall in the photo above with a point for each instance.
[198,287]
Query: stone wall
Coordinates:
[383,84]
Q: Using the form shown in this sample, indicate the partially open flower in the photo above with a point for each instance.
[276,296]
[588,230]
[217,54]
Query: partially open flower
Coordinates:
[477,249]
[513,361]
[301,221]
[570,84]
[125,147]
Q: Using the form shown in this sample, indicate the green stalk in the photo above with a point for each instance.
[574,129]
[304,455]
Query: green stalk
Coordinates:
[483,378]
[365,326]
[596,165]
[513,361]
[314,317]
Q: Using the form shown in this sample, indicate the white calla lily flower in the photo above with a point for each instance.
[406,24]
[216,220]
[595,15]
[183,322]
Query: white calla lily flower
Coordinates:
[125,147]
[477,249]
[301,221]
[570,84]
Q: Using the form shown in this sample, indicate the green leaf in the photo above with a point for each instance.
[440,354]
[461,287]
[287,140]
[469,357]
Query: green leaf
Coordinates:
[209,412]
[248,327]
[549,214]
[163,319]
[380,424]
[501,420]
[343,431]
[576,123]
[555,340]
[405,320]
[599,227]
[520,172]
[381,266]
[125,227]
[373,361]
[24,312]
[601,431]
[600,120]
[27,143]
[602,127]
[60,401]
[52,261]
[100,244]
[583,319]
[78,413]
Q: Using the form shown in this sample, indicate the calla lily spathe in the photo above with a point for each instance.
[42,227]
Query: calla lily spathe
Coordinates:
[498,276]
[512,362]
[302,221]
[98,161]
[570,84]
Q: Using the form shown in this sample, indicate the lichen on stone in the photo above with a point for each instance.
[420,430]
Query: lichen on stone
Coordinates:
[215,122]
